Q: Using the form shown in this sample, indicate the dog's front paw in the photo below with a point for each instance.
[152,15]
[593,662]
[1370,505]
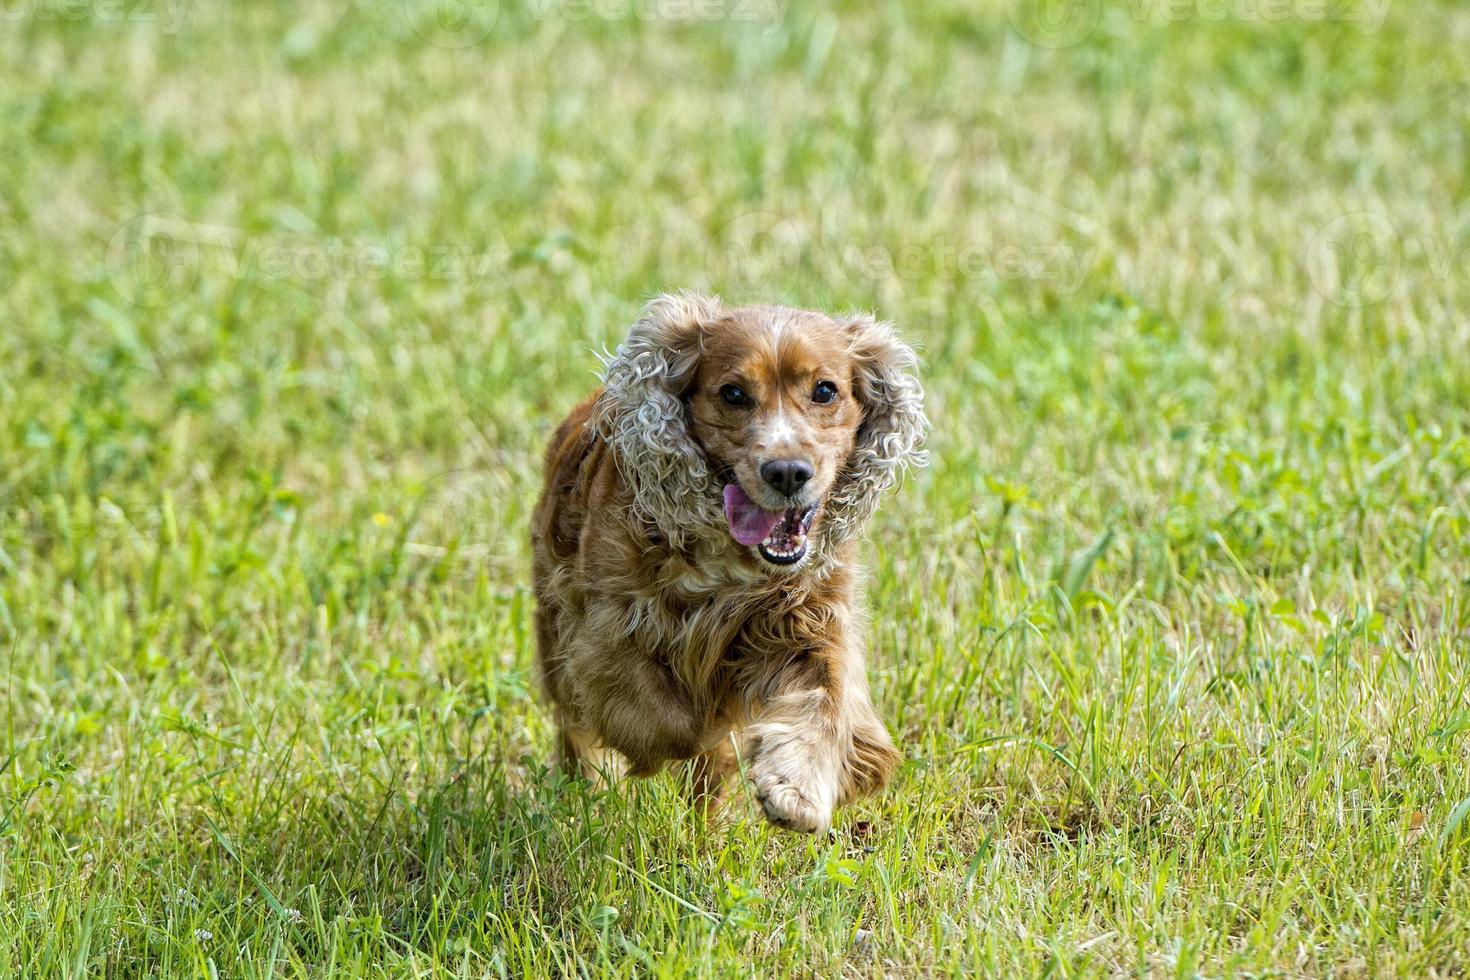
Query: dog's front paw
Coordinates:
[788,808]
[791,797]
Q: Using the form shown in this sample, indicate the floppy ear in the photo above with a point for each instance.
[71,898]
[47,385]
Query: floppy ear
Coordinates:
[642,415]
[891,436]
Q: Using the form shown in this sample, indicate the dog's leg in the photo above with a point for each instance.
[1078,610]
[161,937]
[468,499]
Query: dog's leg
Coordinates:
[817,742]
[796,760]
[635,705]
[580,754]
[568,751]
[709,777]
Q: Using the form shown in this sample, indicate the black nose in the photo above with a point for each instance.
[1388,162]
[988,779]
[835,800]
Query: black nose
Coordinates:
[787,475]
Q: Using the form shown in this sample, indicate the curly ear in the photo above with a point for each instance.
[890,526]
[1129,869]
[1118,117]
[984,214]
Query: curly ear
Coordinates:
[891,436]
[642,415]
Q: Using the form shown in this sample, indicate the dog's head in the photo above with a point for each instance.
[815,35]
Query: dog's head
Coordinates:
[765,425]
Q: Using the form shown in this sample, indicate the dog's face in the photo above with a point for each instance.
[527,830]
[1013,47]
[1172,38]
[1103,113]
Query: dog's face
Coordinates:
[774,408]
[767,425]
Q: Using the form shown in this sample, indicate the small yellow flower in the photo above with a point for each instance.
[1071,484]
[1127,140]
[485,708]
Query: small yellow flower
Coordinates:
[381,519]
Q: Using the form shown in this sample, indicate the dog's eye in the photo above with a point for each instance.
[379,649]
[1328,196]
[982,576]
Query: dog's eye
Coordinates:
[824,392]
[734,395]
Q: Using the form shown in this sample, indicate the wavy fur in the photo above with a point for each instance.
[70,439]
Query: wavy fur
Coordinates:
[641,413]
[894,425]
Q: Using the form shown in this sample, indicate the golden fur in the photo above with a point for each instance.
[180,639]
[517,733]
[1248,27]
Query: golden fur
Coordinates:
[659,634]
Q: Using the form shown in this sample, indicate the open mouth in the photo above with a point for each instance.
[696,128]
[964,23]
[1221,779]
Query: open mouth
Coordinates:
[779,535]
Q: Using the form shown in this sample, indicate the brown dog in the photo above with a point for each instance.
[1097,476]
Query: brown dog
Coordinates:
[695,549]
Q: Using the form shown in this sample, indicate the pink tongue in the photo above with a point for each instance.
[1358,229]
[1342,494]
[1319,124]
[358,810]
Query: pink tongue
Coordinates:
[749,524]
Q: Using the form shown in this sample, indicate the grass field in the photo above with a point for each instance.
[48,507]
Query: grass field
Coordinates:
[1174,630]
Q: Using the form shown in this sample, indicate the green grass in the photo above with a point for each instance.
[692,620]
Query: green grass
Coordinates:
[1173,632]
